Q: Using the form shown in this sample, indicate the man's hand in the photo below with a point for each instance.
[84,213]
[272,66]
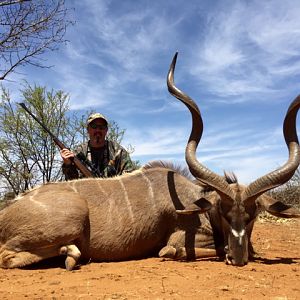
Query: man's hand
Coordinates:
[67,156]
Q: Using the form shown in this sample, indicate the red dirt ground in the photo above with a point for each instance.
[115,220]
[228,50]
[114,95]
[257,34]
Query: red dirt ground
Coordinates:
[276,275]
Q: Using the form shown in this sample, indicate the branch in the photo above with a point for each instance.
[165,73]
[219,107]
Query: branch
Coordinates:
[29,31]
[11,2]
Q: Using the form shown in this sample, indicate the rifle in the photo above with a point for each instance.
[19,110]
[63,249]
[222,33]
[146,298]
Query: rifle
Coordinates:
[78,164]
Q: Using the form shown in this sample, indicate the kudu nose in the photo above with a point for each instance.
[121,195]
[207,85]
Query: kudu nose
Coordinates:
[235,262]
[239,263]
[235,257]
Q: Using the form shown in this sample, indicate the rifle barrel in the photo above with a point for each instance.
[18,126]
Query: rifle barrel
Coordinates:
[83,169]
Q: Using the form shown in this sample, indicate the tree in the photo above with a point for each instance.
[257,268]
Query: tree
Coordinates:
[29,28]
[28,156]
[289,192]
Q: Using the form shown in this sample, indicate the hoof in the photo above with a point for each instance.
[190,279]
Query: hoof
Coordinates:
[70,263]
[167,252]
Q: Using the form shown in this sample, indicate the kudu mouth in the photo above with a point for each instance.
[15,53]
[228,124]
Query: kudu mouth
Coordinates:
[236,252]
[229,260]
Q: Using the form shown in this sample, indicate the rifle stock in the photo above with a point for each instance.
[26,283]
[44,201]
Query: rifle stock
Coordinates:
[79,165]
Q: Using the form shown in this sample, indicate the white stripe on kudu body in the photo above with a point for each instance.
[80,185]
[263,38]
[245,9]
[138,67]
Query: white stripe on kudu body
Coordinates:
[31,198]
[150,190]
[34,198]
[126,198]
[109,200]
[73,186]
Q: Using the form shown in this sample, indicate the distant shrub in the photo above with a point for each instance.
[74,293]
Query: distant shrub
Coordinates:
[289,193]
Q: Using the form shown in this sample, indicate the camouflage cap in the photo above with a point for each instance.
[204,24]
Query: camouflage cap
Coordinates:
[95,116]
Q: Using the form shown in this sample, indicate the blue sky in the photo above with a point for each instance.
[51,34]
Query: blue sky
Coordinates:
[239,60]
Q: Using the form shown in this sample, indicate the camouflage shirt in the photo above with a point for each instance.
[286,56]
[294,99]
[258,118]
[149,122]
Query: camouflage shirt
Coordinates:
[108,161]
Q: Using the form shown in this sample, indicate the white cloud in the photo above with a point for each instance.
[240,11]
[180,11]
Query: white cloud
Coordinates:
[248,48]
[157,141]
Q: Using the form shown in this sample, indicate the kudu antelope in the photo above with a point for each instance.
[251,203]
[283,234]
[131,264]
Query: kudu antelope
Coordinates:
[155,209]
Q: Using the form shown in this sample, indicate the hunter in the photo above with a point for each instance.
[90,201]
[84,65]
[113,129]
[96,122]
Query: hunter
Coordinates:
[104,157]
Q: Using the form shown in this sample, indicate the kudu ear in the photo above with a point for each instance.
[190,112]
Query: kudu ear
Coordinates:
[198,207]
[278,208]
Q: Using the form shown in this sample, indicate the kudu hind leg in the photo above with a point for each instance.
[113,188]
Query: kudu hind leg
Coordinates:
[16,259]
[12,259]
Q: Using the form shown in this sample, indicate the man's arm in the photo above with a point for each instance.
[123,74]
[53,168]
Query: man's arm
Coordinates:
[68,167]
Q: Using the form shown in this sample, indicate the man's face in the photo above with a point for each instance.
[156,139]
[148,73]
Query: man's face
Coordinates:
[97,131]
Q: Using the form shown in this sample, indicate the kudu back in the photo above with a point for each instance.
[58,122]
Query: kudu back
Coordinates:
[155,210]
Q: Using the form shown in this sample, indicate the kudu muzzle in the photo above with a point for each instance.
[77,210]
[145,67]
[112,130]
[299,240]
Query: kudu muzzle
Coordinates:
[237,248]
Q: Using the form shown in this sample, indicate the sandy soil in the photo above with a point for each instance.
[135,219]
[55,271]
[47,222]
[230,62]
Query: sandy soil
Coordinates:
[276,275]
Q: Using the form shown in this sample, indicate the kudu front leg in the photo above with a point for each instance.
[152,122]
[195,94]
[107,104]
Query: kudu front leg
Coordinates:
[183,253]
[73,255]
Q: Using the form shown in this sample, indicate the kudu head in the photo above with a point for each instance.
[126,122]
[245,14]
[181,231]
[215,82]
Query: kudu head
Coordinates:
[237,205]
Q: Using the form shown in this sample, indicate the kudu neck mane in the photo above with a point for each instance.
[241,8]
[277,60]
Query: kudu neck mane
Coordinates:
[184,171]
[229,177]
